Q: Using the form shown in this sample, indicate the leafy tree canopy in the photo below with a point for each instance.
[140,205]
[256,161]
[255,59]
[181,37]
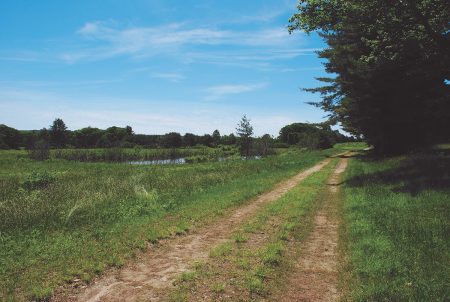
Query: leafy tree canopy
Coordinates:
[312,136]
[391,60]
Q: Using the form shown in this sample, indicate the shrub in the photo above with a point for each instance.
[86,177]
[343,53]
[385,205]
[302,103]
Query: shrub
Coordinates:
[40,151]
[38,180]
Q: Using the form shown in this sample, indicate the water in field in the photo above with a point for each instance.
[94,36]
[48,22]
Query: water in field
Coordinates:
[176,161]
[251,157]
[181,160]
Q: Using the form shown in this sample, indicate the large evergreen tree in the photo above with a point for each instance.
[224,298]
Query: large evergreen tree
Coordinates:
[391,60]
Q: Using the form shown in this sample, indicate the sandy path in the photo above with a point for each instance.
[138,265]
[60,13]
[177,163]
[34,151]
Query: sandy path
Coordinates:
[149,277]
[315,275]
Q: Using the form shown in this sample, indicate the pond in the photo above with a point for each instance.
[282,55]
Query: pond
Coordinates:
[182,160]
[176,161]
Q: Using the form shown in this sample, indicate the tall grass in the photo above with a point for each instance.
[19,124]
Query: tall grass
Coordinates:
[89,216]
[397,213]
[140,154]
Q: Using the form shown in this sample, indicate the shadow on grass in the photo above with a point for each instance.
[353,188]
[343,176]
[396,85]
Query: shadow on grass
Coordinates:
[413,174]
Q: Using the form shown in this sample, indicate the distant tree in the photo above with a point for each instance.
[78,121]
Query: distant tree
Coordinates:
[29,138]
[207,140]
[311,136]
[129,130]
[267,142]
[58,133]
[232,138]
[216,137]
[87,137]
[245,131]
[44,134]
[116,136]
[104,142]
[190,140]
[10,138]
[150,141]
[229,139]
[263,145]
[172,140]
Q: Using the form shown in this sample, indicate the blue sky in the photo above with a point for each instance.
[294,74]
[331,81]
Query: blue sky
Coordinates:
[157,65]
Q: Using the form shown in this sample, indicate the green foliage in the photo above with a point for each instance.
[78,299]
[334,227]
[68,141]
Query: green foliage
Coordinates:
[42,294]
[9,137]
[244,131]
[216,137]
[86,137]
[38,180]
[58,133]
[221,250]
[310,136]
[272,254]
[240,237]
[39,151]
[218,287]
[58,136]
[171,140]
[392,59]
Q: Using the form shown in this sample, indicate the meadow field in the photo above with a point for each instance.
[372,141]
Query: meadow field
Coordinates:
[62,220]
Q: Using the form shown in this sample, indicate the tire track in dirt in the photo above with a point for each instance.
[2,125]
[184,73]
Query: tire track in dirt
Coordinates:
[150,276]
[315,275]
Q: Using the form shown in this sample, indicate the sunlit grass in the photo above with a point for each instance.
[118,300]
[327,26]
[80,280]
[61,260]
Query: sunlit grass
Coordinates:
[397,213]
[94,215]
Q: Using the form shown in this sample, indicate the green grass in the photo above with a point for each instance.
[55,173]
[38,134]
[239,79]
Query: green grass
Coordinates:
[442,147]
[397,214]
[73,220]
[352,146]
[250,270]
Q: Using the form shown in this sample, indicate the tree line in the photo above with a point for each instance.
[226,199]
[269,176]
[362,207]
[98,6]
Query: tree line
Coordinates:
[312,136]
[58,136]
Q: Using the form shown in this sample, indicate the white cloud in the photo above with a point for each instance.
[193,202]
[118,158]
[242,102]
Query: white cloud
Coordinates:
[106,40]
[221,91]
[90,28]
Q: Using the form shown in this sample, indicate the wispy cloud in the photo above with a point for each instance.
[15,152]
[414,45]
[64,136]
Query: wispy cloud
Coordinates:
[221,91]
[105,40]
